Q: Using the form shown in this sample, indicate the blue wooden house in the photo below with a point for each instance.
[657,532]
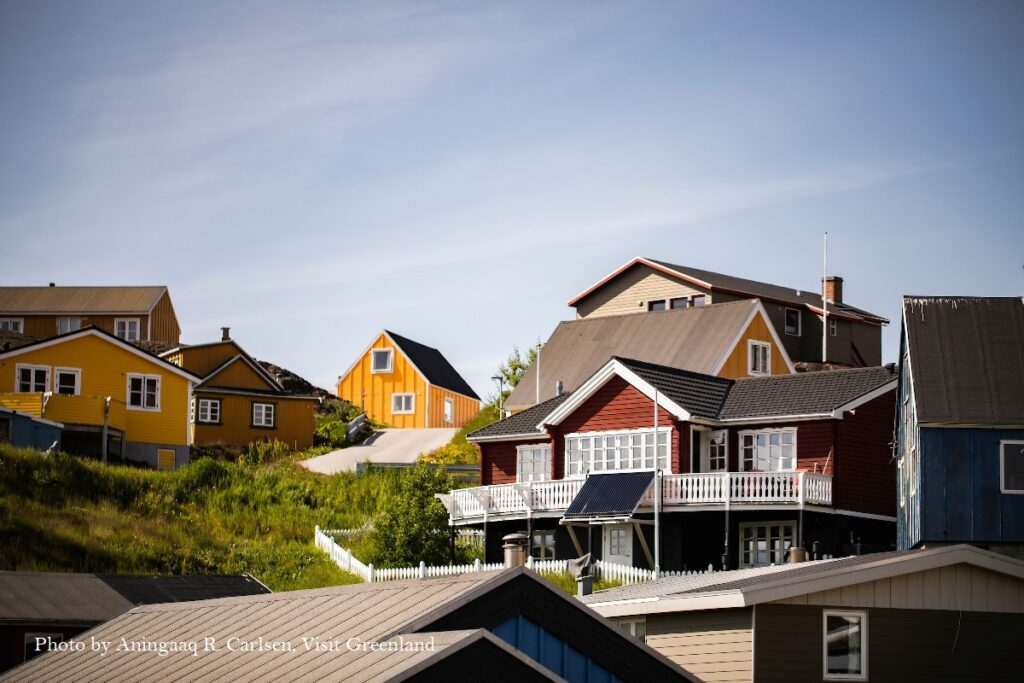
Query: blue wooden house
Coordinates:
[27,431]
[960,422]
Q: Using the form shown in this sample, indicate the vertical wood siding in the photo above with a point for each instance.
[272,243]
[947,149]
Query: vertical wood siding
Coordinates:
[373,392]
[164,326]
[239,375]
[46,325]
[294,419]
[714,645]
[625,293]
[465,408]
[736,365]
[202,360]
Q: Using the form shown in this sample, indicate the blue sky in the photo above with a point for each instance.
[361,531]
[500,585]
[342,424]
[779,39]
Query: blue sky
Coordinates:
[310,173]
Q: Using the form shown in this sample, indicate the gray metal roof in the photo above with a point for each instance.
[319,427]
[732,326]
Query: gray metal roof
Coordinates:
[805,393]
[966,358]
[692,339]
[523,422]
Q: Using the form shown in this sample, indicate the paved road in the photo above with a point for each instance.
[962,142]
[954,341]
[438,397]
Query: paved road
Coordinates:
[387,445]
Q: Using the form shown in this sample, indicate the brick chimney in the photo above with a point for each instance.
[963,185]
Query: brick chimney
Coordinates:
[225,334]
[832,289]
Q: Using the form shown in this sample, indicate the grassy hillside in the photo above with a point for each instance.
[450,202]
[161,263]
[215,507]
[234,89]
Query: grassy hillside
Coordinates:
[58,512]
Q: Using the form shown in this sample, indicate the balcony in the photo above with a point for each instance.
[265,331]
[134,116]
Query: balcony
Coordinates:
[71,410]
[679,492]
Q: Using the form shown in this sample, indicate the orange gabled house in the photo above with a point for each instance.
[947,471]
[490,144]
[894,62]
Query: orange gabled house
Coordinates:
[238,401]
[402,383]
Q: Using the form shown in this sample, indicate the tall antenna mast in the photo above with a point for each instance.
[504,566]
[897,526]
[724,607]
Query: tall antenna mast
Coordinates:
[824,304]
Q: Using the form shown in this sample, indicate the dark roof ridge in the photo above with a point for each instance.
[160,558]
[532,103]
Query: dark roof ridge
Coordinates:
[678,371]
[819,373]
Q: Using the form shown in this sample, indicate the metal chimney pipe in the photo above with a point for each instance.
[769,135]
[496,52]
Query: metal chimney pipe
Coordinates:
[515,550]
[225,334]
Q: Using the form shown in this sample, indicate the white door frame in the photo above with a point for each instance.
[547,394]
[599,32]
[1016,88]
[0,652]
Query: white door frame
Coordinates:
[606,534]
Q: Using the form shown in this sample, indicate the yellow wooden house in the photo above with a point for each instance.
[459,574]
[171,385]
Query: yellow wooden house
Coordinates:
[404,384]
[238,402]
[110,395]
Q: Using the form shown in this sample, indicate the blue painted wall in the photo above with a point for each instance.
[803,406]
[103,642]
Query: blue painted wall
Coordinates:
[28,433]
[959,493]
[552,653]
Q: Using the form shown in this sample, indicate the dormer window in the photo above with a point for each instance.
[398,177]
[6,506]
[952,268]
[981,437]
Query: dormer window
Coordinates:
[383,360]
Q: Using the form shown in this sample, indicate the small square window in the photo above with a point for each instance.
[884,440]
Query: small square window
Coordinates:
[69,324]
[793,320]
[263,415]
[382,360]
[635,627]
[845,645]
[208,411]
[760,362]
[679,302]
[127,328]
[1011,466]
[67,381]
[656,305]
[12,325]
[699,300]
[144,392]
[543,544]
[403,404]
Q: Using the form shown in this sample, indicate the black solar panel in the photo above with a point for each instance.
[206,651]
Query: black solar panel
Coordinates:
[610,495]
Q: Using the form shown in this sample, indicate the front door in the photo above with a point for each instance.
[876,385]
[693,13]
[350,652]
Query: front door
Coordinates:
[617,546]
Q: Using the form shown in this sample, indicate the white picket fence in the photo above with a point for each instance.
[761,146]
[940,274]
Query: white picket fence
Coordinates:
[605,571]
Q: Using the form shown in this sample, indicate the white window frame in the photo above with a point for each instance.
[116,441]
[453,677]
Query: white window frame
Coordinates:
[753,344]
[18,367]
[373,361]
[263,410]
[634,626]
[833,327]
[659,457]
[145,379]
[1002,466]
[209,404]
[7,325]
[782,524]
[544,551]
[400,410]
[768,432]
[724,446]
[799,321]
[528,451]
[77,372]
[77,323]
[863,616]
[449,410]
[126,321]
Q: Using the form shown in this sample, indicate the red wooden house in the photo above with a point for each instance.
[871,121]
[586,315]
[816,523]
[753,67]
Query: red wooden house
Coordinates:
[742,469]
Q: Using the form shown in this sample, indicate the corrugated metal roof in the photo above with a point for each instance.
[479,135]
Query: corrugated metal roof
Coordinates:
[609,495]
[692,339]
[524,422]
[78,300]
[967,358]
[434,366]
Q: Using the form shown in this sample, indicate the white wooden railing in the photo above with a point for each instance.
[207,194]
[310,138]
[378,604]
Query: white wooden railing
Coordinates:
[711,488]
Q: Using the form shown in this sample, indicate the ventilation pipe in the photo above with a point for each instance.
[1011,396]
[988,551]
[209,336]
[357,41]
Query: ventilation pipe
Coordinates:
[515,550]
[225,334]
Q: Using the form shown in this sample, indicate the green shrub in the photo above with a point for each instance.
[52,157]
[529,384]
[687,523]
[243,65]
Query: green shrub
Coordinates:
[263,452]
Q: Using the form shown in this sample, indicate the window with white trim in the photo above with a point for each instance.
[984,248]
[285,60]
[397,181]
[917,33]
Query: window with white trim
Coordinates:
[32,378]
[718,459]
[382,360]
[533,463]
[759,358]
[844,645]
[618,540]
[1011,466]
[143,392]
[449,410]
[12,325]
[607,451]
[543,547]
[263,414]
[67,381]
[68,324]
[765,543]
[636,627]
[833,327]
[768,450]
[208,411]
[127,328]
[793,321]
[403,404]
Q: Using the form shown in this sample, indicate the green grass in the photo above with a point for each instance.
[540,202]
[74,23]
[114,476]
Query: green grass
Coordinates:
[62,513]
[458,451]
[567,582]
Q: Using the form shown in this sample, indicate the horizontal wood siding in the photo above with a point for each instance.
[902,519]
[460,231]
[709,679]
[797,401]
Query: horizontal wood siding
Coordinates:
[498,461]
[465,408]
[737,364]
[903,645]
[202,360]
[868,340]
[713,645]
[373,392]
[813,443]
[865,474]
[239,375]
[294,420]
[630,292]
[104,367]
[164,325]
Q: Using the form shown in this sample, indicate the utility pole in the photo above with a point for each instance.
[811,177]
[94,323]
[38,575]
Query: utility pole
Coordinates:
[824,304]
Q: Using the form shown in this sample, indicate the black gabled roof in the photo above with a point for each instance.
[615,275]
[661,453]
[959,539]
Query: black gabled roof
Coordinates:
[610,495]
[966,358]
[806,393]
[434,366]
[524,422]
[701,395]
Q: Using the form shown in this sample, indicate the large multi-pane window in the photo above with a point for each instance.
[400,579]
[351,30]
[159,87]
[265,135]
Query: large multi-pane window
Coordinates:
[143,392]
[765,544]
[534,463]
[768,450]
[543,546]
[33,378]
[612,451]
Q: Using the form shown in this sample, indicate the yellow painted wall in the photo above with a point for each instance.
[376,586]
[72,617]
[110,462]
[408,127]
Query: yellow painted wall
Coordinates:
[465,408]
[104,367]
[736,364]
[373,391]
[239,375]
[202,360]
[30,404]
[294,419]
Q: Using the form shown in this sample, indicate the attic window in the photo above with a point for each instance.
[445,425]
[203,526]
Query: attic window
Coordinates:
[656,305]
[127,328]
[383,360]
[793,321]
[760,358]
[679,302]
[1011,466]
[699,300]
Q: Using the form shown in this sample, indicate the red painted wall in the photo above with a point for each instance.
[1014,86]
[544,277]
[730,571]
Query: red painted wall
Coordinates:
[498,461]
[813,443]
[865,475]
